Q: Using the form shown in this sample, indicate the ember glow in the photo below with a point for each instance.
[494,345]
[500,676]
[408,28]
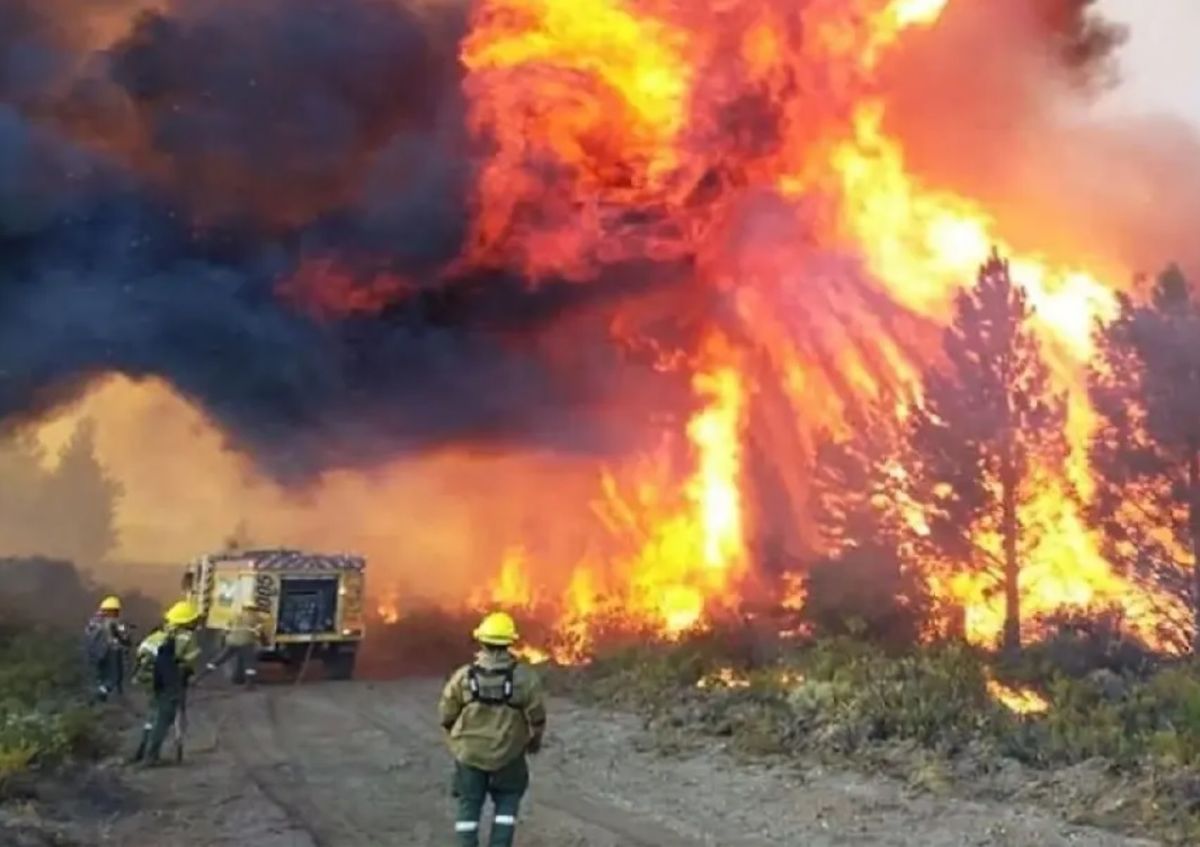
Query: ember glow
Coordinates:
[723,678]
[699,228]
[1022,701]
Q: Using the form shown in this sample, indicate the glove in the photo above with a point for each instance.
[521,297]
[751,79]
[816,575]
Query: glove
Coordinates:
[535,745]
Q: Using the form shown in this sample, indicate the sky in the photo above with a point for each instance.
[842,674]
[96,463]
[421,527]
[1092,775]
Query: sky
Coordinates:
[1161,62]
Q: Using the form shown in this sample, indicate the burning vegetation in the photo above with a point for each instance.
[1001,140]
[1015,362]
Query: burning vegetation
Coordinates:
[742,292]
[883,388]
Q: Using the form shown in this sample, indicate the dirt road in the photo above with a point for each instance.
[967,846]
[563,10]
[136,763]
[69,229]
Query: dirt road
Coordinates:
[362,765]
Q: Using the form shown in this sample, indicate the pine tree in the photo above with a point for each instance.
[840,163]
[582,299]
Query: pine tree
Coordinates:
[864,583]
[1145,388]
[79,501]
[987,422]
[858,485]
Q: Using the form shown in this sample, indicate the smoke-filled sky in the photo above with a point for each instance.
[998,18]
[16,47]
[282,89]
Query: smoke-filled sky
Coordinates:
[255,139]
[1160,63]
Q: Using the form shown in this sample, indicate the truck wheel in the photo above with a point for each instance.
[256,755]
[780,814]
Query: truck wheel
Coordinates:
[339,662]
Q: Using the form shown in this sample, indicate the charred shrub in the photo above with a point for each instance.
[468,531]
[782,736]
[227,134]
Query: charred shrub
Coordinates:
[1083,642]
[866,593]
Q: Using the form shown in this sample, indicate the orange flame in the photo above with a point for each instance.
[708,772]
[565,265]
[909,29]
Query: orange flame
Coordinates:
[388,609]
[684,553]
[723,678]
[1023,701]
[631,129]
[614,94]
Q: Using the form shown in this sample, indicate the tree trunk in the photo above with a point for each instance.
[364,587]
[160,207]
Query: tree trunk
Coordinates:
[1012,570]
[1194,529]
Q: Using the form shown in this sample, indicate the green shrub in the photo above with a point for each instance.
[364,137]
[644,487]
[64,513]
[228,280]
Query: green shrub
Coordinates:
[42,721]
[1125,720]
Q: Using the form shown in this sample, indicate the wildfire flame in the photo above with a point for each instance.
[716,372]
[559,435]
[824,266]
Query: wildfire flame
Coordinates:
[600,107]
[388,609]
[1022,701]
[723,678]
[751,150]
[683,558]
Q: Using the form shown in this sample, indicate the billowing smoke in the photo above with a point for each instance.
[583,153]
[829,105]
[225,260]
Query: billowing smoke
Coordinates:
[996,103]
[262,203]
[156,198]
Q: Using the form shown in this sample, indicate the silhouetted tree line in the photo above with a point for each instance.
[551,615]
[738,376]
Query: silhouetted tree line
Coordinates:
[938,485]
[66,511]
[40,590]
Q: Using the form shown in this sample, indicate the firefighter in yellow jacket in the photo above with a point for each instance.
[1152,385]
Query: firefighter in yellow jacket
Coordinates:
[493,713]
[246,635]
[166,661]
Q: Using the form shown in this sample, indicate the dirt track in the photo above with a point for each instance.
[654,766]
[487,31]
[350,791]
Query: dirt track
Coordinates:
[358,764]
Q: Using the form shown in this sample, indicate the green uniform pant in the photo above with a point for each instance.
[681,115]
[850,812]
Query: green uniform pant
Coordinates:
[163,709]
[109,671]
[472,787]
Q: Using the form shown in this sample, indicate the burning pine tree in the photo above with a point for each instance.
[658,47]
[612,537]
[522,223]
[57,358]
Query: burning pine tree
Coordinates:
[1145,388]
[985,433]
[965,485]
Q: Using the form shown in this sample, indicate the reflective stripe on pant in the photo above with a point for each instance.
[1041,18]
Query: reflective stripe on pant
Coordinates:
[472,787]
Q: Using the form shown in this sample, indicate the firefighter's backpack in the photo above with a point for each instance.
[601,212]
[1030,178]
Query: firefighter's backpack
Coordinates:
[491,686]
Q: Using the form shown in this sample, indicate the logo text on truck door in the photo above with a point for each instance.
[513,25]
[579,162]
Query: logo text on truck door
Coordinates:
[265,589]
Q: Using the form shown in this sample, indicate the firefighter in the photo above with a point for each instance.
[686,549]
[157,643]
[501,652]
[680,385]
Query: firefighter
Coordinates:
[106,638]
[493,714]
[246,635]
[166,661]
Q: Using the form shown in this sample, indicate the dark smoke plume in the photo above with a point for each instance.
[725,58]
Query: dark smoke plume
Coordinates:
[153,197]
[168,166]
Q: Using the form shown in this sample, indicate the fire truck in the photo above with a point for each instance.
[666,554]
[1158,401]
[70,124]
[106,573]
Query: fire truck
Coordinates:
[312,602]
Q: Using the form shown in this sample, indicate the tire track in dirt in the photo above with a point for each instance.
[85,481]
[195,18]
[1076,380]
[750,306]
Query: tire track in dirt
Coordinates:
[319,766]
[251,756]
[555,804]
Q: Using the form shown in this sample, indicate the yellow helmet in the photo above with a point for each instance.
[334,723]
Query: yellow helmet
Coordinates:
[182,613]
[112,603]
[497,629]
